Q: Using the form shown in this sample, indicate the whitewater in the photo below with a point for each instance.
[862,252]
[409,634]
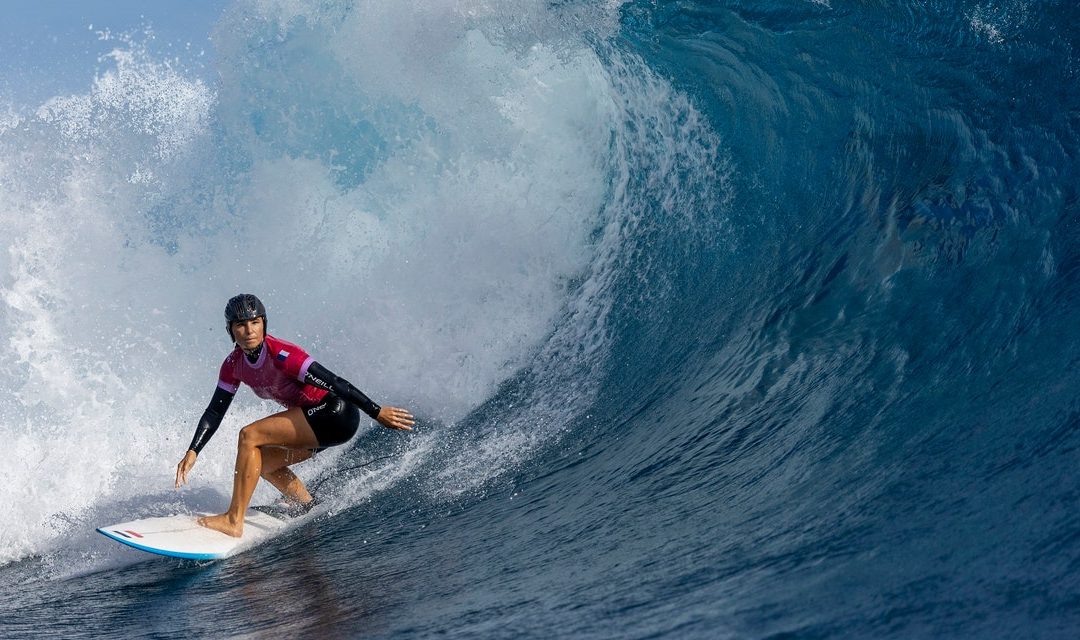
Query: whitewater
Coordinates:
[719,319]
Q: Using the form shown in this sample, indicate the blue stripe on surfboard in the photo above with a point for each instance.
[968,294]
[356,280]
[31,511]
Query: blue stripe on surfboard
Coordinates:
[161,552]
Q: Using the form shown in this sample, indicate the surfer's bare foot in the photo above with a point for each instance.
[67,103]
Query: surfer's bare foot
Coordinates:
[222,523]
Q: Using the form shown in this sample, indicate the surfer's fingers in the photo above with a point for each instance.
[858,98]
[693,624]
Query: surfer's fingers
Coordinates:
[402,420]
[395,418]
[182,473]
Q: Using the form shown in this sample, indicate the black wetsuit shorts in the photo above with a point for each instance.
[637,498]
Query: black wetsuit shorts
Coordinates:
[333,420]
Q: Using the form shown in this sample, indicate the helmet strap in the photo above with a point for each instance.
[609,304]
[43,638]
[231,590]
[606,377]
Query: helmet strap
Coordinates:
[253,355]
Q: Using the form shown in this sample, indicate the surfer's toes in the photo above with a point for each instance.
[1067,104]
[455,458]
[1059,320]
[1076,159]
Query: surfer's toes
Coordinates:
[223,524]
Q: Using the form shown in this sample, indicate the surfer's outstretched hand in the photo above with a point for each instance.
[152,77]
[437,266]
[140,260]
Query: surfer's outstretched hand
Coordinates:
[185,465]
[395,418]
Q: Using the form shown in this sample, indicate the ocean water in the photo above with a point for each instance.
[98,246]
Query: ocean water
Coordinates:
[721,320]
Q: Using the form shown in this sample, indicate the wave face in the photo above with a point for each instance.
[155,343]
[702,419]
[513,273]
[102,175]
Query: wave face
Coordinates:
[722,319]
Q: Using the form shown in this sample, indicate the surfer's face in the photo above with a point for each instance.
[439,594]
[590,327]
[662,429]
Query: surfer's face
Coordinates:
[249,334]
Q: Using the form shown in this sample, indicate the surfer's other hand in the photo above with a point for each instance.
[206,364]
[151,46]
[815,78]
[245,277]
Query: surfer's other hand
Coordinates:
[185,465]
[394,418]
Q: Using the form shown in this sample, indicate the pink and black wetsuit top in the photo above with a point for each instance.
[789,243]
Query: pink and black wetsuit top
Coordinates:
[285,373]
[278,374]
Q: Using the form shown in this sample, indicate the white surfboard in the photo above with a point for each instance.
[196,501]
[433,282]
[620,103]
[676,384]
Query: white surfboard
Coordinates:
[180,536]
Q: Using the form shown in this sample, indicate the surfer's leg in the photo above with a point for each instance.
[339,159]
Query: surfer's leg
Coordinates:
[286,429]
[276,471]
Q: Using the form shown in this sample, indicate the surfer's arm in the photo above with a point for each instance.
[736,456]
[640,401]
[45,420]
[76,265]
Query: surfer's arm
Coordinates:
[208,424]
[323,378]
[390,417]
[211,419]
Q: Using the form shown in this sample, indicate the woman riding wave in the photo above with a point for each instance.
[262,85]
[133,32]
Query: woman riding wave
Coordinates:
[321,410]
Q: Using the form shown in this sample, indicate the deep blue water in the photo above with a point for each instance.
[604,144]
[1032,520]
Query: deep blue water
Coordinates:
[758,321]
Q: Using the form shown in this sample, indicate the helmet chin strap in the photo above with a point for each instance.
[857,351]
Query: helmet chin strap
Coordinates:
[253,354]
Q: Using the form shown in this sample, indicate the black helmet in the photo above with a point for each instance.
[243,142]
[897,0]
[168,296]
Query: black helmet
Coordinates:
[243,307]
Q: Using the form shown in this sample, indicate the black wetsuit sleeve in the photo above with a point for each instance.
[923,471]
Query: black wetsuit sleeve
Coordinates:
[211,419]
[319,376]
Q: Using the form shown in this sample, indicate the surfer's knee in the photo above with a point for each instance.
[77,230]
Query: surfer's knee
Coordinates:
[249,437]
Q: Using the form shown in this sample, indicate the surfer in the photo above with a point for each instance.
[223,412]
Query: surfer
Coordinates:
[321,410]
